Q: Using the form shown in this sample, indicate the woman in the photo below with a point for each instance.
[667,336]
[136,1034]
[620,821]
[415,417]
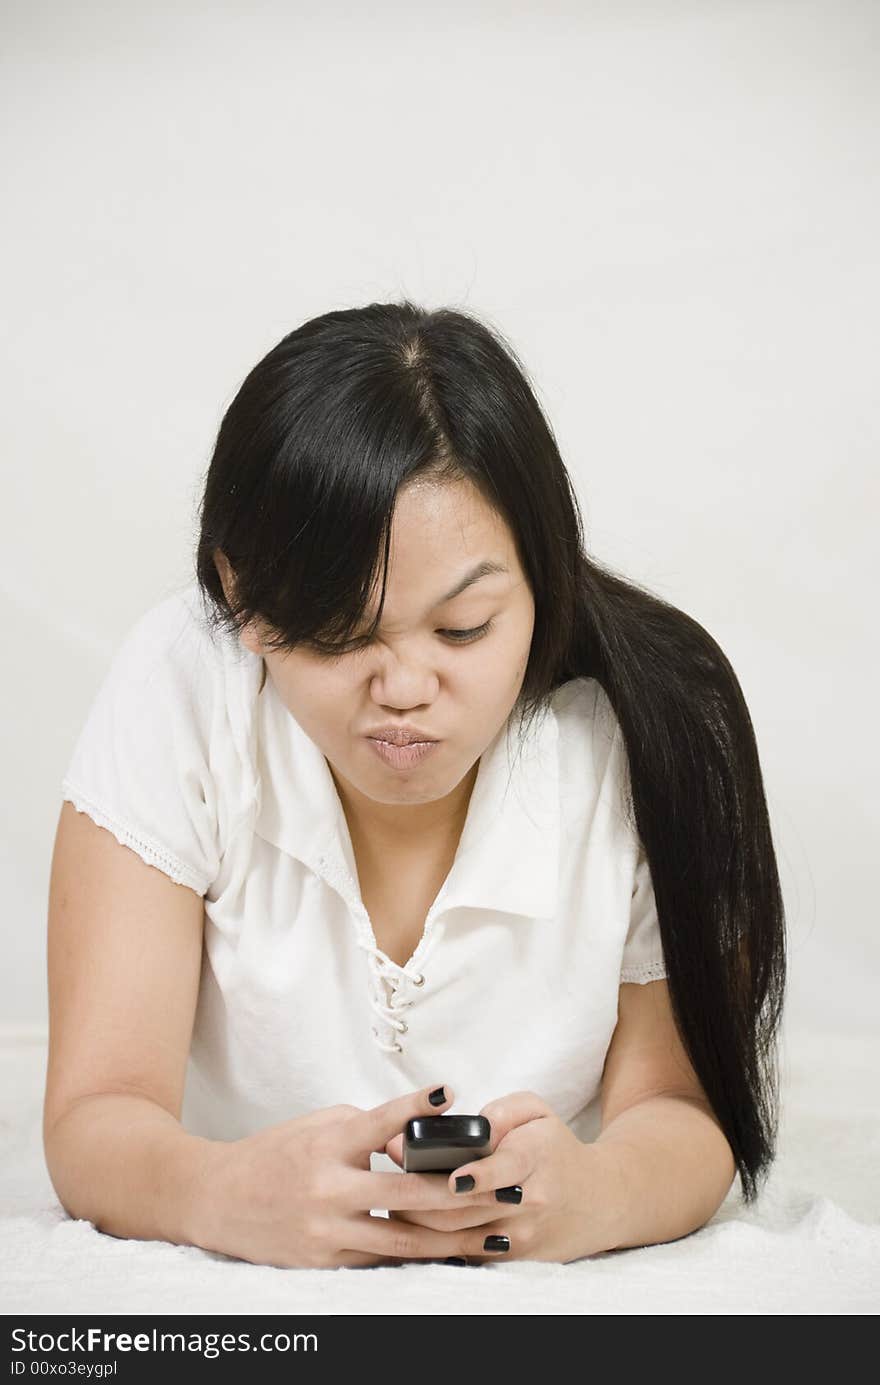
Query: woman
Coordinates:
[391,555]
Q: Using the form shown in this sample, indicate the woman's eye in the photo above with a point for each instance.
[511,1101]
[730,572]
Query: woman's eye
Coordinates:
[465,636]
[455,636]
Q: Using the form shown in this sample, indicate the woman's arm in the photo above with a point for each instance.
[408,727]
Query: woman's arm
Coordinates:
[661,1150]
[125,1164]
[124,956]
[666,1168]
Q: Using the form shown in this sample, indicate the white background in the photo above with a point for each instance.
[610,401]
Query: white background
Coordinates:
[669,207]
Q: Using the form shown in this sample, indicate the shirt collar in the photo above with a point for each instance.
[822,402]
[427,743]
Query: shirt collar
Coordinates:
[508,853]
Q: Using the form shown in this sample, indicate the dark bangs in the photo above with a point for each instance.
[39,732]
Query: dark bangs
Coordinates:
[320,438]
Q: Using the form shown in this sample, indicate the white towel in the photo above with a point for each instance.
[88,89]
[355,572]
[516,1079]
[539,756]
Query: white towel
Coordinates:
[799,1251]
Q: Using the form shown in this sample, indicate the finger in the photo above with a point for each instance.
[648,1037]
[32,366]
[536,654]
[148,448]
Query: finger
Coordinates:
[361,1259]
[382,1236]
[370,1130]
[459,1220]
[396,1192]
[510,1167]
[516,1108]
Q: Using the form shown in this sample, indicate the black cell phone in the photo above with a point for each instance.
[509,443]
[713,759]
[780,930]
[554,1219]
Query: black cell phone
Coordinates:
[435,1144]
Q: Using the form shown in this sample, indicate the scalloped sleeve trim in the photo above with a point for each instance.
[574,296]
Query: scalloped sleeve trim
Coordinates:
[152,852]
[645,971]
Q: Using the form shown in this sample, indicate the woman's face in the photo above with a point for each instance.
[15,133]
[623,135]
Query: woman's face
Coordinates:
[458,691]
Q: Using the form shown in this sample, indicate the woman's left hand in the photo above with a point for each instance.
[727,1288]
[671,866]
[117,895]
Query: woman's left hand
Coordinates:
[563,1213]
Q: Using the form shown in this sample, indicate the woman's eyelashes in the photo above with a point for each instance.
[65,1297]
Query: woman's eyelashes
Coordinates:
[466,636]
[453,636]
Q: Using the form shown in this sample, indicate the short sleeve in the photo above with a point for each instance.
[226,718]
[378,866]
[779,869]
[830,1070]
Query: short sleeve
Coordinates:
[642,959]
[643,950]
[140,766]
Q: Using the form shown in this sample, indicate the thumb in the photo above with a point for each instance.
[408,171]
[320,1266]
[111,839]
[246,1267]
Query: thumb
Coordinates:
[394,1149]
[373,1128]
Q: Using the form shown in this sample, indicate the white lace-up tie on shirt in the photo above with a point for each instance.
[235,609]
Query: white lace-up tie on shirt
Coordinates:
[387,971]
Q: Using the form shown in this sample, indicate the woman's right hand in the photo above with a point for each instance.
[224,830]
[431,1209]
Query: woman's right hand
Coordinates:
[300,1193]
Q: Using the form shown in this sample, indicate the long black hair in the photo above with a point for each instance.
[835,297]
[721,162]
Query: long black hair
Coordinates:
[299,497]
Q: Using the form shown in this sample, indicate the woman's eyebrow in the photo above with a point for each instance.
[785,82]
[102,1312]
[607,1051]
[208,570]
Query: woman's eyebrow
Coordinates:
[487,568]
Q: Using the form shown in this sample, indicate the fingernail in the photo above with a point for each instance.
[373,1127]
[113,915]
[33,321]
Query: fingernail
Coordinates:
[497,1243]
[464,1183]
[455,1260]
[438,1096]
[512,1194]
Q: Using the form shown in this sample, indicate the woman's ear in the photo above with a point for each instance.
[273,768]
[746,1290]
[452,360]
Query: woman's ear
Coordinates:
[225,573]
[248,634]
[251,640]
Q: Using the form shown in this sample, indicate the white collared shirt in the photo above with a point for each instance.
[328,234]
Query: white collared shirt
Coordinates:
[547,908]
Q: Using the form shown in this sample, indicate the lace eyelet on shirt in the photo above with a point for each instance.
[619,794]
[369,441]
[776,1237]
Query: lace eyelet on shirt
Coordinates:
[387,1048]
[388,973]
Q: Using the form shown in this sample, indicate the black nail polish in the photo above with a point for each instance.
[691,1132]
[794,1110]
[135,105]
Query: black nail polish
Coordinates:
[438,1096]
[511,1194]
[455,1260]
[464,1183]
[497,1243]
